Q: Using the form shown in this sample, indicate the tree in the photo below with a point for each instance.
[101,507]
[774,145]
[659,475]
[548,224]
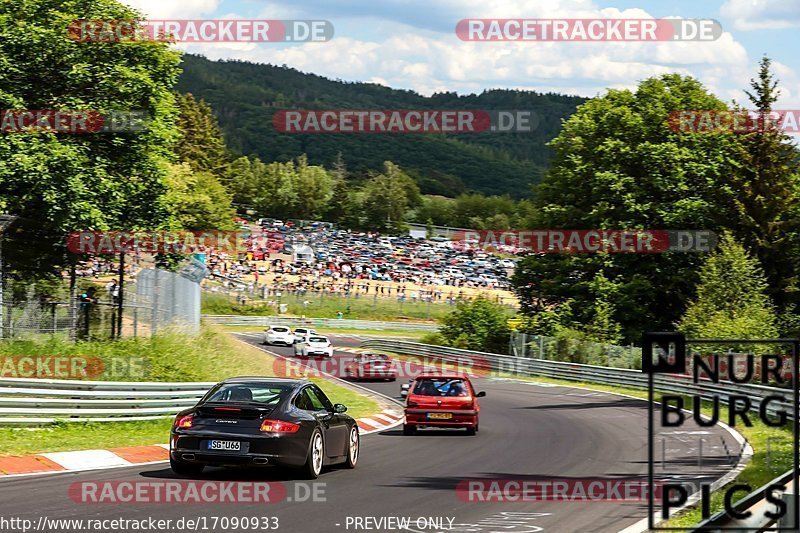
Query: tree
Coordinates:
[618,165]
[340,207]
[387,198]
[732,298]
[201,144]
[198,200]
[767,180]
[64,182]
[479,324]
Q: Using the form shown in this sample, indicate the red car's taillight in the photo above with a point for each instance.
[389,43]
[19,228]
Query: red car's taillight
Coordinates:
[279,426]
[184,421]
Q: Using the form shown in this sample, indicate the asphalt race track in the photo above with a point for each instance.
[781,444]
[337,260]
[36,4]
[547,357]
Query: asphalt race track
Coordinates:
[528,431]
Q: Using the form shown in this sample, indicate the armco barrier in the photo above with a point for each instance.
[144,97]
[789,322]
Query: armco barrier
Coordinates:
[37,402]
[607,376]
[264,321]
[620,377]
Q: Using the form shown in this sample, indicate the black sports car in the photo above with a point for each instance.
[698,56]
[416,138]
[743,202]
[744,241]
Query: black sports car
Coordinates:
[260,421]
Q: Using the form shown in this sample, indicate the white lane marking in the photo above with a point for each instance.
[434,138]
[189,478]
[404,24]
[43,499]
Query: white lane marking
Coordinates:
[86,459]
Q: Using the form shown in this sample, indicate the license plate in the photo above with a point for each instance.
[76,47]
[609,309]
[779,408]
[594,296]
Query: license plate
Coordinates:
[440,416]
[228,445]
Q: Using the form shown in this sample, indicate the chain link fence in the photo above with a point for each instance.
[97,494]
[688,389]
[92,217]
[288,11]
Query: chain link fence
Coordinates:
[152,300]
[574,350]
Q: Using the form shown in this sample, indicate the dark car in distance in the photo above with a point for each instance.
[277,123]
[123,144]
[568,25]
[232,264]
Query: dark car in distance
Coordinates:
[264,421]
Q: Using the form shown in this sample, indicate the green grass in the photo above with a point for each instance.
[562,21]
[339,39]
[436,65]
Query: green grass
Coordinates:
[80,436]
[328,306]
[213,356]
[758,471]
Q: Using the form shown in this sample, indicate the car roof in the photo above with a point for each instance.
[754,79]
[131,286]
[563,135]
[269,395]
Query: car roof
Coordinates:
[444,375]
[263,379]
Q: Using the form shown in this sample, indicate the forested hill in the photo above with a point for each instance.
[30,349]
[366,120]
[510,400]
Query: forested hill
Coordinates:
[246,95]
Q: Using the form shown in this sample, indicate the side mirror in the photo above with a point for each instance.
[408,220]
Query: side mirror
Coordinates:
[481,394]
[339,408]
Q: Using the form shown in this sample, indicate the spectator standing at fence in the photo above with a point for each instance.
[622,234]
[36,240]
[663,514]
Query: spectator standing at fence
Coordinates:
[87,300]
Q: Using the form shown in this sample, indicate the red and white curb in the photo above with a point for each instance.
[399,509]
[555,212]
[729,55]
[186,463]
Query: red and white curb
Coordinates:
[48,463]
[388,418]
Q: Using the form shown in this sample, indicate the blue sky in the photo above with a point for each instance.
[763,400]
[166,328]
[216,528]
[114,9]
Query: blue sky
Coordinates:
[411,44]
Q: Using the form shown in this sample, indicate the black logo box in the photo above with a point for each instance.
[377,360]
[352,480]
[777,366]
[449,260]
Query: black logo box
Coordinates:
[672,359]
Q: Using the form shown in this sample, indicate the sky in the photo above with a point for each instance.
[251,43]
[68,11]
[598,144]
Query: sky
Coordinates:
[412,44]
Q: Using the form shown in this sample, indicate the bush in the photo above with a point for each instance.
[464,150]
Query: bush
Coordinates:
[479,324]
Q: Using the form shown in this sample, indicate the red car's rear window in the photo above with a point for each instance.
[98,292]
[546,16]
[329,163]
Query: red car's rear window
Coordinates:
[441,387]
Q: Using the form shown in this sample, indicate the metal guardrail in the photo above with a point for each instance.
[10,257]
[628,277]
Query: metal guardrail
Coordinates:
[263,321]
[38,402]
[620,377]
[608,376]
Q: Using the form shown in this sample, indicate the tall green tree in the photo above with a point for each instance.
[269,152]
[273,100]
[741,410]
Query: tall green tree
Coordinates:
[201,144]
[618,165]
[66,182]
[387,198]
[732,299]
[767,181]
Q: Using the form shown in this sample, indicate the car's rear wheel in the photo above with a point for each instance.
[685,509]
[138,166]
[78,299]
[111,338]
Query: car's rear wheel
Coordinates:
[316,449]
[353,448]
[409,429]
[185,469]
[471,430]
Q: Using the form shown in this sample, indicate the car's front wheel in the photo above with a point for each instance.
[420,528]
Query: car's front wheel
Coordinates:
[353,449]
[185,469]
[316,449]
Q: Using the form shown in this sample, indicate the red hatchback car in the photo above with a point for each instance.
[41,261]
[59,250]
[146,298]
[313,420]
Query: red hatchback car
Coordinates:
[443,400]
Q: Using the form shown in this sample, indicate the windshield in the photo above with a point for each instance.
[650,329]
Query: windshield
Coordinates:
[259,393]
[280,330]
[441,387]
[317,339]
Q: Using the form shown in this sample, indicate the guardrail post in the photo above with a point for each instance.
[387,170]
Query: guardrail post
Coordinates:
[700,452]
[787,520]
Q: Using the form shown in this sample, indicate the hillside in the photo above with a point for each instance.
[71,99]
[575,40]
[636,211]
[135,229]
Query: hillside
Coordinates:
[245,96]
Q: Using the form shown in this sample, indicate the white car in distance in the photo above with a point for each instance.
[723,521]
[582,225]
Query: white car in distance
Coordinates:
[278,335]
[300,334]
[314,345]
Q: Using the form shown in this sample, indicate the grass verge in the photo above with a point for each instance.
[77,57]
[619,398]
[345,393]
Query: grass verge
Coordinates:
[328,306]
[212,356]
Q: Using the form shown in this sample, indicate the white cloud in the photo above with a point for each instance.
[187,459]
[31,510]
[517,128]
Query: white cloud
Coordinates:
[174,9]
[762,14]
[411,44]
